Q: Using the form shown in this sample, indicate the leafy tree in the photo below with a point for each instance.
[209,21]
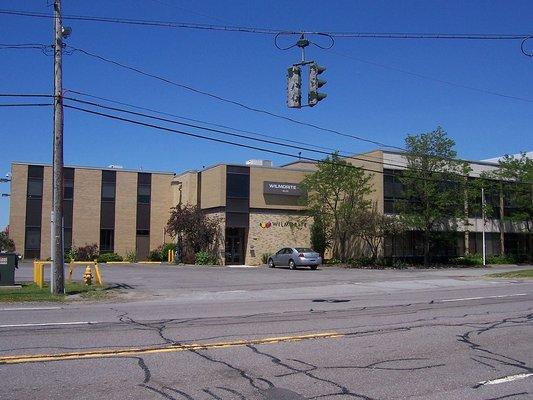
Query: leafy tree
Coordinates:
[193,230]
[373,227]
[319,239]
[6,244]
[336,192]
[434,186]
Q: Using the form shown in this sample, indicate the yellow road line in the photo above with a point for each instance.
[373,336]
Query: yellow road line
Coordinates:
[19,359]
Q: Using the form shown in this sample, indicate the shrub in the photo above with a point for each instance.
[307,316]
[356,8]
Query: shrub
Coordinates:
[155,255]
[468,259]
[109,257]
[70,255]
[264,257]
[6,244]
[89,252]
[332,261]
[206,258]
[501,259]
[131,256]
[166,248]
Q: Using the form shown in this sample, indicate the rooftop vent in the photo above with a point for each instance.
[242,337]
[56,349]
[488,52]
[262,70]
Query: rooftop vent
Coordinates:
[115,166]
[261,163]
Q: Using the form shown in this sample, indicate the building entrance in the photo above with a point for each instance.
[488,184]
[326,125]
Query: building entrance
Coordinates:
[235,246]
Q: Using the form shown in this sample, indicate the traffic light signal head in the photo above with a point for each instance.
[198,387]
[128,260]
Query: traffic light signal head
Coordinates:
[314,96]
[294,87]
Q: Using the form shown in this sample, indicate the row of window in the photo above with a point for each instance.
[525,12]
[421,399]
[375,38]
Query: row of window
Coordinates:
[107,210]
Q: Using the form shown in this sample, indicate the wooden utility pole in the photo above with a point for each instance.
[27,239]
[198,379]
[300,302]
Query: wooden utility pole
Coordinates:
[57,285]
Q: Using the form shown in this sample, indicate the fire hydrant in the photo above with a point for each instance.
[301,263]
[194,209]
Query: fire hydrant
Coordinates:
[88,276]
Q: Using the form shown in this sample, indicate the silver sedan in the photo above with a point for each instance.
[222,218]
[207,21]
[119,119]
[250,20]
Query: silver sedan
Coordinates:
[295,257]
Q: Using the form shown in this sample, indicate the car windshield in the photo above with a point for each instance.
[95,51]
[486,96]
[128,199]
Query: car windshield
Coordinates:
[304,250]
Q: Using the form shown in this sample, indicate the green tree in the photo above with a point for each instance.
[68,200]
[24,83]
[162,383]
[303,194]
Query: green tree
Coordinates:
[6,244]
[319,238]
[336,192]
[434,186]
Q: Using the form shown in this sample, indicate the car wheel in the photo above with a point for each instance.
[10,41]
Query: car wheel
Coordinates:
[271,263]
[292,265]
[314,266]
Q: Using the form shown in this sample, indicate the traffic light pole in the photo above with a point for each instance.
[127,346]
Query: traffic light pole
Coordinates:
[57,285]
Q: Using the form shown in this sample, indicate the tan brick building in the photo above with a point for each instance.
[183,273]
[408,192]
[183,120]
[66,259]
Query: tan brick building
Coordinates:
[258,206]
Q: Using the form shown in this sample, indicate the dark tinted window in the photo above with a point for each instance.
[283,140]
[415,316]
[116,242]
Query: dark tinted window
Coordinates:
[35,188]
[143,216]
[33,212]
[143,194]
[107,240]
[304,250]
[238,185]
[108,191]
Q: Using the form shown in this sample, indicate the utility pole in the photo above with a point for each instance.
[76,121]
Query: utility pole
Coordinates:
[57,285]
[483,231]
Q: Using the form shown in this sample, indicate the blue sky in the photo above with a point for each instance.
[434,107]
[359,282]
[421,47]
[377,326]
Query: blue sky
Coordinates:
[363,99]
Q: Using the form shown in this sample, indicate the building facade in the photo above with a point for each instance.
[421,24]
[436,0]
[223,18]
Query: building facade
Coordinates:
[259,208]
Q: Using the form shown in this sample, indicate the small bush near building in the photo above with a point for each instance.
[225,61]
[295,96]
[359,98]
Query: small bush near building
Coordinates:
[468,260]
[501,259]
[89,252]
[206,258]
[70,255]
[264,258]
[131,256]
[109,257]
[155,255]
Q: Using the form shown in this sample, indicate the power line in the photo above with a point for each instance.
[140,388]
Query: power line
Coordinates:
[25,104]
[254,133]
[271,31]
[224,132]
[226,100]
[426,77]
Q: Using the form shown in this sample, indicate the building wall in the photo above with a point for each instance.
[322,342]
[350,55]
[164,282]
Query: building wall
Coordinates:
[17,205]
[185,187]
[125,212]
[160,204]
[86,209]
[46,214]
[260,175]
[271,230]
[213,183]
[372,161]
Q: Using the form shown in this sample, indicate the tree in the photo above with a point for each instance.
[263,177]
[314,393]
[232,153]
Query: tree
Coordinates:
[434,186]
[373,227]
[336,192]
[6,244]
[516,179]
[319,239]
[193,230]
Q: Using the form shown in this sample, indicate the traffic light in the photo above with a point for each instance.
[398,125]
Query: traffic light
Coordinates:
[294,87]
[314,96]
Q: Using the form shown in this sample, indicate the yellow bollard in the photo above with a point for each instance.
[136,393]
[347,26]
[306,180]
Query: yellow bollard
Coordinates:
[39,273]
[97,274]
[70,271]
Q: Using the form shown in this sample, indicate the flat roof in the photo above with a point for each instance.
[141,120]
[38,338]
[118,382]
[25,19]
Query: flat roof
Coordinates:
[96,168]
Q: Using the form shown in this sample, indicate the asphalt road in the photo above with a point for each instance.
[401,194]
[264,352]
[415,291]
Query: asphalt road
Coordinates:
[233,333]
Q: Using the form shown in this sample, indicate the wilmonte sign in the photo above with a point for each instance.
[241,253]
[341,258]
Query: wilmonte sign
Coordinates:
[288,189]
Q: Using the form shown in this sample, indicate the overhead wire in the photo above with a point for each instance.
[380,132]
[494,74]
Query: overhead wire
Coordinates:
[230,101]
[268,141]
[271,31]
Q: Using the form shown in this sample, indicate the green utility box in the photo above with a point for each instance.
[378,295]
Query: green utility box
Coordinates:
[8,263]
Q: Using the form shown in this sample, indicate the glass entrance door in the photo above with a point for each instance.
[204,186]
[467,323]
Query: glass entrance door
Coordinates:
[234,246]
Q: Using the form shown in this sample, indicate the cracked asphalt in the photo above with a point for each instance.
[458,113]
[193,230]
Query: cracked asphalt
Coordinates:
[233,333]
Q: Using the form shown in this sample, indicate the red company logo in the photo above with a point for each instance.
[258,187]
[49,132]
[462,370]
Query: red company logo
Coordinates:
[265,225]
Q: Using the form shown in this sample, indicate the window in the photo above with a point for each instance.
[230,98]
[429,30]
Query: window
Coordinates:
[143,232]
[107,239]
[32,243]
[35,188]
[238,185]
[143,194]
[108,191]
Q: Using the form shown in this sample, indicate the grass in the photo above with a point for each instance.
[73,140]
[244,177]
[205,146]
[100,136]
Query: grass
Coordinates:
[521,274]
[31,292]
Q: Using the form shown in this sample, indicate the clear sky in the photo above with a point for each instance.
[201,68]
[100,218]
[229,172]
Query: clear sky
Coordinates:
[363,99]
